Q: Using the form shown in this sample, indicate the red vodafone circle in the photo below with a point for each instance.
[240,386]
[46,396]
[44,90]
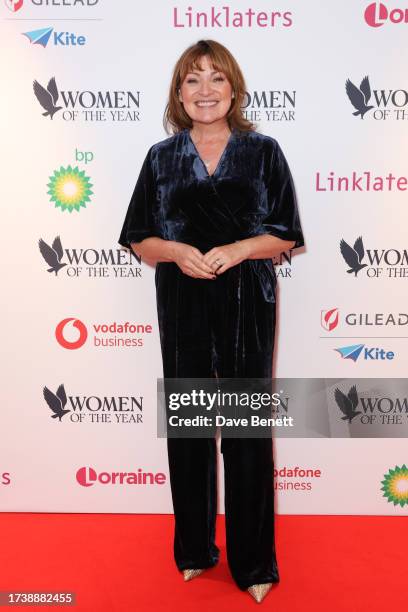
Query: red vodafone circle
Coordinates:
[59,333]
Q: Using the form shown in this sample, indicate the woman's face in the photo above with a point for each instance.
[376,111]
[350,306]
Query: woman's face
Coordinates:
[206,95]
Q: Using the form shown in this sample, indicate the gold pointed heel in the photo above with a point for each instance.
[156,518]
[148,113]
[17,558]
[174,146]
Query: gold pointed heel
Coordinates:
[259,591]
[189,574]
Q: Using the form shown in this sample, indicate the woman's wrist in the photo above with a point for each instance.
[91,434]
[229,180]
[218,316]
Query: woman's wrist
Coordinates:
[171,249]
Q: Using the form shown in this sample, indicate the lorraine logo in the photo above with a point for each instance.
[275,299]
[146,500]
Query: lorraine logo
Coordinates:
[376,14]
[69,188]
[14,5]
[60,39]
[56,402]
[71,344]
[347,403]
[370,354]
[87,477]
[52,254]
[329,319]
[359,96]
[353,256]
[395,485]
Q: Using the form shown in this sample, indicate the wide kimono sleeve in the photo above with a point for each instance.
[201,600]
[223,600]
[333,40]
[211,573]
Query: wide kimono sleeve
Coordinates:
[139,219]
[282,219]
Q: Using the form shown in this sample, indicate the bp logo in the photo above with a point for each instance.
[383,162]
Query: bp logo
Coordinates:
[69,188]
[395,485]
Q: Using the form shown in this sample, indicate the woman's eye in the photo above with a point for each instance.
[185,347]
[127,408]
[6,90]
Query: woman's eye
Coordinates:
[219,78]
[191,81]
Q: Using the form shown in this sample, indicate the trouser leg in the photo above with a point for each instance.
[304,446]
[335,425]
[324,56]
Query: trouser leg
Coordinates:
[249,510]
[187,353]
[192,464]
[248,462]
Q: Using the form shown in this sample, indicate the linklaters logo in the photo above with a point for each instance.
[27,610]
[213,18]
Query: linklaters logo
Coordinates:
[392,262]
[384,103]
[70,188]
[395,485]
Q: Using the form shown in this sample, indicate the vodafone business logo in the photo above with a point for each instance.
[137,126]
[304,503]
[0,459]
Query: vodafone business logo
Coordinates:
[71,344]
[376,14]
[101,335]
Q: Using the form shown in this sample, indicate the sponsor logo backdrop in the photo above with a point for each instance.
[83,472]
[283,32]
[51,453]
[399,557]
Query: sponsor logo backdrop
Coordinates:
[85,84]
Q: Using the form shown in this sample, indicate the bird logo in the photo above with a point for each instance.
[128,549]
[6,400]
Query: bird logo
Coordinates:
[47,97]
[359,97]
[353,255]
[52,254]
[347,403]
[56,402]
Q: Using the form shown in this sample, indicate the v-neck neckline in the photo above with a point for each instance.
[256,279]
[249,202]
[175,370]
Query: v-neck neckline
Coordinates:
[221,159]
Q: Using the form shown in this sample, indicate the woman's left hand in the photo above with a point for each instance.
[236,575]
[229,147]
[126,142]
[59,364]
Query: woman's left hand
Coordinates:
[220,258]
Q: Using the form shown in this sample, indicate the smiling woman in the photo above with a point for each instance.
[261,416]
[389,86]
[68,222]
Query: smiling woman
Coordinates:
[212,205]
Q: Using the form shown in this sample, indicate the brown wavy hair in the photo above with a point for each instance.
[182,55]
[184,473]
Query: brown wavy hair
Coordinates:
[174,114]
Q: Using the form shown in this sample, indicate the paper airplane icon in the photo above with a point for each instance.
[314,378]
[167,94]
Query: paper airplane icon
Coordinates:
[350,352]
[39,37]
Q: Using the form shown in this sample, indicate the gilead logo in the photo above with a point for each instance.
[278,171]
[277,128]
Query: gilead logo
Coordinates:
[69,344]
[376,14]
[14,5]
[87,477]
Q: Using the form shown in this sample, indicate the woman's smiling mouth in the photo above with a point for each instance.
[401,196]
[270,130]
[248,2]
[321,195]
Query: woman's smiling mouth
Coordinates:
[205,103]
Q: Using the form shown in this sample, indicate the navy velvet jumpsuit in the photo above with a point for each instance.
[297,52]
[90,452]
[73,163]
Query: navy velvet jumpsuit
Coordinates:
[223,327]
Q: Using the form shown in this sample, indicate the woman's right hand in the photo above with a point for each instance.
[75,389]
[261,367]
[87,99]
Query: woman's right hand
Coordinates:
[190,261]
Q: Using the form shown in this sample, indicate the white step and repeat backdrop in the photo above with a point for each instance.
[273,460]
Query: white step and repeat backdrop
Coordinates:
[84,86]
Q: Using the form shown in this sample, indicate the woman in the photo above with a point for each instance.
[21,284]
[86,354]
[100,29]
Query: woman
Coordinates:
[213,204]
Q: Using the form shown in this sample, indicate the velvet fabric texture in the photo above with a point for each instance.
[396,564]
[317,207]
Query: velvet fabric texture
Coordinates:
[223,327]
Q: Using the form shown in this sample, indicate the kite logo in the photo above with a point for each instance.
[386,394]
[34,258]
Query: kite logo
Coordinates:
[370,354]
[395,485]
[69,344]
[69,188]
[347,403]
[60,39]
[14,5]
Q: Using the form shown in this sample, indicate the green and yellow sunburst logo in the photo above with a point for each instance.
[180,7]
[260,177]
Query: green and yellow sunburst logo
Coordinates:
[69,188]
[396,485]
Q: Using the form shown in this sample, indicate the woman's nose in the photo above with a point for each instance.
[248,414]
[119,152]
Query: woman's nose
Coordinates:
[205,88]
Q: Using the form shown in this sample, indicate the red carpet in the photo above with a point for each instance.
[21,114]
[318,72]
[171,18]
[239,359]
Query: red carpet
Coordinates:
[124,563]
